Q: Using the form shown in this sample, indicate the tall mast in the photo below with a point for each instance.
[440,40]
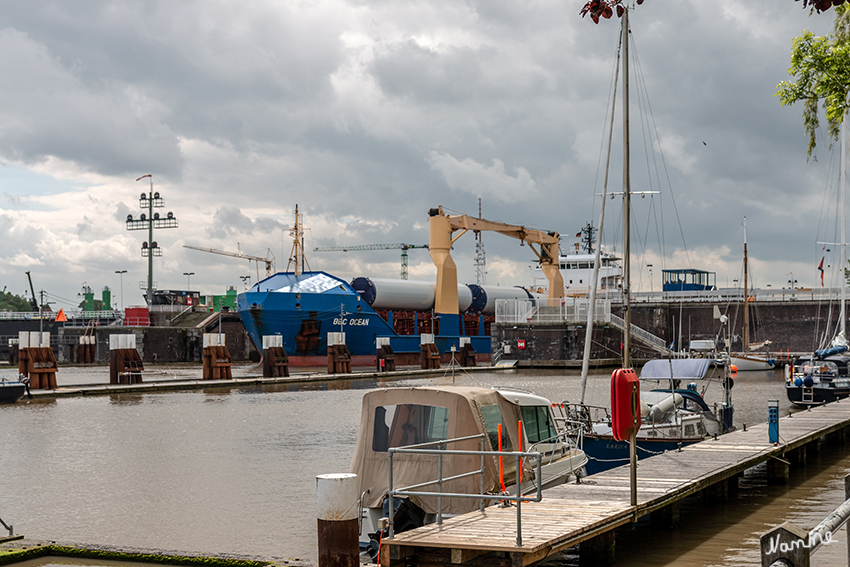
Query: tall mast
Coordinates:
[627,315]
[591,311]
[746,296]
[841,187]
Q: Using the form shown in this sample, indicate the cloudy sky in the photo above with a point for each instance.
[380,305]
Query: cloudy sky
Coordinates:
[366,113]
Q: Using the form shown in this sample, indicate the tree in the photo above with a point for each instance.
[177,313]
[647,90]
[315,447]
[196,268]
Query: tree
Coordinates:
[11,302]
[822,5]
[821,66]
[604,9]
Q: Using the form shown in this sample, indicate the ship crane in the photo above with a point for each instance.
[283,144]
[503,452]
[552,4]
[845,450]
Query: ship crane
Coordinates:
[441,239]
[403,247]
[268,260]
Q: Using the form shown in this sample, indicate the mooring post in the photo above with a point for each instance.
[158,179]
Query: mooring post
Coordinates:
[782,544]
[666,518]
[337,521]
[597,550]
[778,470]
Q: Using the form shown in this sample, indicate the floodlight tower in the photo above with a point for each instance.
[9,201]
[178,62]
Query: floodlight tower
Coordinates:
[150,222]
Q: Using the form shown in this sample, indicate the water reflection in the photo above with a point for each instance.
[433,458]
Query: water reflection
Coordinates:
[232,470]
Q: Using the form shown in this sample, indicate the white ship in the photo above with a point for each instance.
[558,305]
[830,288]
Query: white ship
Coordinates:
[577,269]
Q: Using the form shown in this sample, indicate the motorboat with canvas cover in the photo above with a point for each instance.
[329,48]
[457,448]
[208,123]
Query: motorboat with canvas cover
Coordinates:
[403,417]
[671,417]
[821,378]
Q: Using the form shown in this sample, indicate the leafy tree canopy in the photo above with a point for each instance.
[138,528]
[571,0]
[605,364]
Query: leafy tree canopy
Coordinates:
[821,65]
[12,302]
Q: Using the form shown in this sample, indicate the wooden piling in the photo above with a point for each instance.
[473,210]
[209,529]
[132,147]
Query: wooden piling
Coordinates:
[275,359]
[216,360]
[599,550]
[467,353]
[36,360]
[125,363]
[667,518]
[429,355]
[339,359]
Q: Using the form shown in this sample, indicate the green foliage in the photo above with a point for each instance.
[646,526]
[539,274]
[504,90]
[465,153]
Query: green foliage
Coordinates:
[98,305]
[821,65]
[12,302]
[15,555]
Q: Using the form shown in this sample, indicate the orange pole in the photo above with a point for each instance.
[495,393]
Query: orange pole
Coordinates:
[501,471]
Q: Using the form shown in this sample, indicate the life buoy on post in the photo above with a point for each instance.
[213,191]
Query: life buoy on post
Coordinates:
[625,403]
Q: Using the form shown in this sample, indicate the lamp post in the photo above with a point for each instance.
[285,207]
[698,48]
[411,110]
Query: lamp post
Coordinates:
[188,280]
[649,267]
[245,281]
[121,285]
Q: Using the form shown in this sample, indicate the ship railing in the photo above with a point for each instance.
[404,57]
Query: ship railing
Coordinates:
[9,527]
[790,545]
[70,314]
[440,452]
[736,295]
[557,310]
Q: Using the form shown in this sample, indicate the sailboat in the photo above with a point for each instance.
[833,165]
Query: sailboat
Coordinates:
[672,417]
[748,360]
[823,377]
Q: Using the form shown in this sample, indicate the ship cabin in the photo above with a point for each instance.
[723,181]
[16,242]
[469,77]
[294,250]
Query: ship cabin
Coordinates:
[688,280]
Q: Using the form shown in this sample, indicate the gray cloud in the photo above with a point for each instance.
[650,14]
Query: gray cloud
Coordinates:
[367,114]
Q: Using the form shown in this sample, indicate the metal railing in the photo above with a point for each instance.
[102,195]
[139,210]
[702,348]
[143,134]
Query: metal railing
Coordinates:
[421,449]
[8,527]
[51,315]
[563,310]
[792,546]
[641,334]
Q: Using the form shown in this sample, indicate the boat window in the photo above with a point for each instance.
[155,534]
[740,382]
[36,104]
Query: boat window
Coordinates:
[408,424]
[537,423]
[492,419]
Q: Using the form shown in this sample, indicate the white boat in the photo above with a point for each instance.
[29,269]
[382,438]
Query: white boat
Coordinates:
[577,269]
[403,417]
[671,416]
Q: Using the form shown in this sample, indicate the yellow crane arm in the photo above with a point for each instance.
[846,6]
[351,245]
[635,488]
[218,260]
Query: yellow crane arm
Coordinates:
[441,239]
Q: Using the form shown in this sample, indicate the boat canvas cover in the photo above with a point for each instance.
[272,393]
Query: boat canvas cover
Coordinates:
[675,368]
[464,419]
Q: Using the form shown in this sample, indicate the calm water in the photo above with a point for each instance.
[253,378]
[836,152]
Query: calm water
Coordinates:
[233,471]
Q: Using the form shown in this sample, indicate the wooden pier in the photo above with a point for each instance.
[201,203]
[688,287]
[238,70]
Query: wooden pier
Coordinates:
[588,513]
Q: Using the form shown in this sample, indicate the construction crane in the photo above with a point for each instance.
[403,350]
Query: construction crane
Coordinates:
[33,300]
[403,247]
[268,260]
[441,239]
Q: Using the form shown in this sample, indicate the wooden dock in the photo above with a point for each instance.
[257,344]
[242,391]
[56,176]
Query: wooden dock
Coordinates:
[588,513]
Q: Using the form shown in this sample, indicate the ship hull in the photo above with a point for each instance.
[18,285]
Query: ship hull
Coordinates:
[303,309]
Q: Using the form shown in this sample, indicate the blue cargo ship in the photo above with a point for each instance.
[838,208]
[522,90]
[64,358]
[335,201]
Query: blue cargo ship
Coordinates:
[305,307]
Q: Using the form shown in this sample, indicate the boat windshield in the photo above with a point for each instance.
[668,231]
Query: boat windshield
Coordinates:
[537,423]
[824,368]
[492,420]
[399,425]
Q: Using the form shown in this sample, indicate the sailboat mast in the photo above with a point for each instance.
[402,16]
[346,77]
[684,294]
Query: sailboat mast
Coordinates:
[746,296]
[627,316]
[841,187]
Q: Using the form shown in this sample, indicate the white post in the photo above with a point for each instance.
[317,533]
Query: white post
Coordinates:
[337,520]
